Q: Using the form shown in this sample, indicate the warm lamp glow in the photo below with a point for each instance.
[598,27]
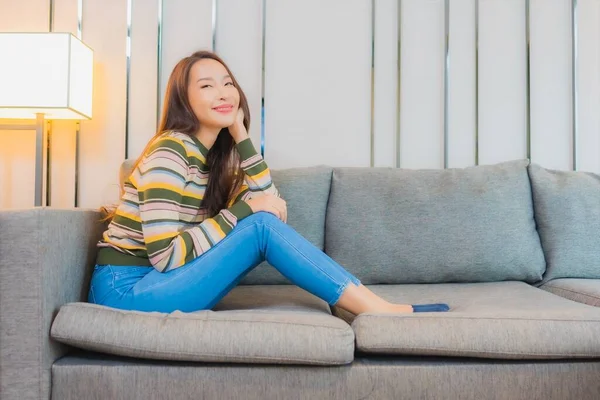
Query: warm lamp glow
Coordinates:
[49,73]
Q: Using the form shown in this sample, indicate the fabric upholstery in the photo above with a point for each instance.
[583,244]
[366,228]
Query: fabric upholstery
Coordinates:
[388,225]
[301,331]
[509,320]
[567,211]
[46,257]
[271,298]
[98,376]
[585,291]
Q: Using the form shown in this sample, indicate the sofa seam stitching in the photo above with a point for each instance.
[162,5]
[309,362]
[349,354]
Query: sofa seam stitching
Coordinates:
[574,291]
[359,318]
[479,352]
[40,305]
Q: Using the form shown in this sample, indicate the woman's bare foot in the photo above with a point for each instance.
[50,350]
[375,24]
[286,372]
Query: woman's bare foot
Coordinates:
[359,299]
[398,308]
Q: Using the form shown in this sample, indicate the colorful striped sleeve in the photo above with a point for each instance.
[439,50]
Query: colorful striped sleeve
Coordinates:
[243,193]
[161,180]
[258,175]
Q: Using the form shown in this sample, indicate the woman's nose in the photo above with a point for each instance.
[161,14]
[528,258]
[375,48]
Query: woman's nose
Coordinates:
[221,92]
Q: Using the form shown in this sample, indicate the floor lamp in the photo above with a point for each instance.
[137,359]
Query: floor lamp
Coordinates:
[44,76]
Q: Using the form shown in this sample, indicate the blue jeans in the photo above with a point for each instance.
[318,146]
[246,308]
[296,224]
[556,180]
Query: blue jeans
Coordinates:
[204,281]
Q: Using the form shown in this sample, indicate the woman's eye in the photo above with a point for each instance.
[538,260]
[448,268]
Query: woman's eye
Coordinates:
[205,86]
[229,83]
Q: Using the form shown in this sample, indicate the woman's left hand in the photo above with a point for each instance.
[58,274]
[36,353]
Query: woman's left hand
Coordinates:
[237,129]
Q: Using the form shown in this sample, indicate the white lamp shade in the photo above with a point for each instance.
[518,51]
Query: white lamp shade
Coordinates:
[49,73]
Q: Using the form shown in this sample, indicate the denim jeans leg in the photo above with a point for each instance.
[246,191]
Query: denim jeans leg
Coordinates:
[201,283]
[301,262]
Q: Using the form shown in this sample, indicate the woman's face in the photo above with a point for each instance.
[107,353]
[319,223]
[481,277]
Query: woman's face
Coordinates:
[211,94]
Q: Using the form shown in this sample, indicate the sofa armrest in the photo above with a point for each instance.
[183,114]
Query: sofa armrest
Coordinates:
[46,259]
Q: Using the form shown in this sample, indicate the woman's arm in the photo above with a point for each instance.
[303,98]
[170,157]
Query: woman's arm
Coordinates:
[258,175]
[160,180]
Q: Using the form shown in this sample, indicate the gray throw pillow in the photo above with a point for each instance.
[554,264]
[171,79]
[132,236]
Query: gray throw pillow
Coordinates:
[567,211]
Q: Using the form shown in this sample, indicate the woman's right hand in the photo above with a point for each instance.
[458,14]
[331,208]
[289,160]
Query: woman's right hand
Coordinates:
[269,203]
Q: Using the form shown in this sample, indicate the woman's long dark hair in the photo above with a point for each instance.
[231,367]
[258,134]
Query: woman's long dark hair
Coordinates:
[223,161]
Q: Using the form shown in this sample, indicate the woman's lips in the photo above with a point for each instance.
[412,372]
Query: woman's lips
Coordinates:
[224,109]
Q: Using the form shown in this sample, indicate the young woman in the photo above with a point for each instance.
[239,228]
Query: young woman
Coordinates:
[200,210]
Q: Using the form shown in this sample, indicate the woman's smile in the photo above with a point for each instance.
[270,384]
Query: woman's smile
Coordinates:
[224,108]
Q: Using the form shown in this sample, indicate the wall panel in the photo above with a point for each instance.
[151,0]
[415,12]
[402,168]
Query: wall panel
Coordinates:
[588,88]
[103,137]
[551,111]
[422,84]
[63,134]
[462,84]
[502,81]
[143,76]
[17,148]
[385,141]
[318,83]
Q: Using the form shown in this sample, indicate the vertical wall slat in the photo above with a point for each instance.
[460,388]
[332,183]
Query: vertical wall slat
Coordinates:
[462,85]
[17,148]
[102,140]
[318,89]
[143,75]
[386,75]
[63,150]
[24,15]
[588,90]
[372,109]
[186,27]
[17,168]
[243,53]
[502,81]
[551,130]
[65,16]
[422,86]
[446,78]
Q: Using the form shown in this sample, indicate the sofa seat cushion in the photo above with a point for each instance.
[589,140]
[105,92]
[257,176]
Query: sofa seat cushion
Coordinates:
[585,291]
[487,320]
[253,324]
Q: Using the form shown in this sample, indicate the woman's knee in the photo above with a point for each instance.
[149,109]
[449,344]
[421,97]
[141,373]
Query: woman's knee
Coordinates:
[264,217]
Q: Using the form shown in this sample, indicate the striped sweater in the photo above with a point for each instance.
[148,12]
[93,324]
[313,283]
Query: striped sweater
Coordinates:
[159,220]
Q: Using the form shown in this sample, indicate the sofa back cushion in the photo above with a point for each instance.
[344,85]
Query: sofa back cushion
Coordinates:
[567,211]
[475,224]
[305,191]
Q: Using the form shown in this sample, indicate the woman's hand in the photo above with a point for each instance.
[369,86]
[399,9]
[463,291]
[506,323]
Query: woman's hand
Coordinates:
[237,129]
[269,203]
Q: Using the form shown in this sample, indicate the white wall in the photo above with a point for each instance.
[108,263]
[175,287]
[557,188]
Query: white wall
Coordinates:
[319,85]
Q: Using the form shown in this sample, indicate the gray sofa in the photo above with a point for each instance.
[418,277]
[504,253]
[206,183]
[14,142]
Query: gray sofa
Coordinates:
[513,248]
